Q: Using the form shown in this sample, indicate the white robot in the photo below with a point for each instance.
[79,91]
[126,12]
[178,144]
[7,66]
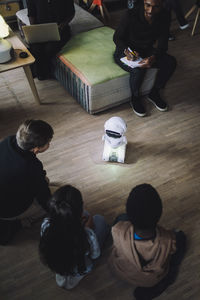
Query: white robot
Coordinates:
[114,140]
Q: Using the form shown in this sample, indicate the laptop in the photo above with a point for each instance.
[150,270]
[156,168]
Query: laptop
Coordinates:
[39,33]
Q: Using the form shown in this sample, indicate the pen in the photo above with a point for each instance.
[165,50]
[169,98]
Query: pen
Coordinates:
[131,51]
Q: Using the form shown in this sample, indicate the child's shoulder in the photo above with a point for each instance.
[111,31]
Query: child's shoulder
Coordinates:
[165,233]
[122,226]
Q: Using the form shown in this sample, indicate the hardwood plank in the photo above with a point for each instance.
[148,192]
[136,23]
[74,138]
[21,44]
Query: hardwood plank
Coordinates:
[163,149]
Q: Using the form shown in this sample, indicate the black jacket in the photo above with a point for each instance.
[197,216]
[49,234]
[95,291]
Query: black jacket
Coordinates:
[22,179]
[135,32]
[47,11]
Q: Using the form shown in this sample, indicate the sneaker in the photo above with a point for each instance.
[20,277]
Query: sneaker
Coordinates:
[137,106]
[184,26]
[68,282]
[155,98]
[171,37]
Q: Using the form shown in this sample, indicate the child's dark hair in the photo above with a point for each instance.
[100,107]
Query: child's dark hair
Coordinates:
[64,242]
[144,206]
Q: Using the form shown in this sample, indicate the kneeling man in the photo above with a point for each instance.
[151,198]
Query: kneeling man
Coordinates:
[22,178]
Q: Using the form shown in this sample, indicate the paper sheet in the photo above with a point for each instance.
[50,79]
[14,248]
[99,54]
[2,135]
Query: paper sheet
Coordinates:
[131,63]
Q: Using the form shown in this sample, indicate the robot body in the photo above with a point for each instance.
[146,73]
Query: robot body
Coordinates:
[114,140]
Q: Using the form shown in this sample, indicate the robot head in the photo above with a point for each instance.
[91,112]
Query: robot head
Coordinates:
[115,127]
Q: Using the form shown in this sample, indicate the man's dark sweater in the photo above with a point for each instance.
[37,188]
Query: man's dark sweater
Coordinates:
[47,11]
[135,32]
[22,179]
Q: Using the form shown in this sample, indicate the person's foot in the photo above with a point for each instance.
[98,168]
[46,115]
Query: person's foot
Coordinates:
[184,26]
[137,106]
[171,37]
[154,97]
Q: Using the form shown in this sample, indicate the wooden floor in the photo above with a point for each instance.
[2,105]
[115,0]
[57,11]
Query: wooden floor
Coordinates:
[163,149]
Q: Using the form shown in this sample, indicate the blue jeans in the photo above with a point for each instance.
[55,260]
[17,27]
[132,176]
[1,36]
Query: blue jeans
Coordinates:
[101,229]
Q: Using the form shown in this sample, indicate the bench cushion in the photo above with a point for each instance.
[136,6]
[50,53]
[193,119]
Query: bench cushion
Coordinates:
[91,53]
[86,67]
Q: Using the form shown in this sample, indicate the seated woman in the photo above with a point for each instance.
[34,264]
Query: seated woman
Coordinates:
[71,238]
[49,11]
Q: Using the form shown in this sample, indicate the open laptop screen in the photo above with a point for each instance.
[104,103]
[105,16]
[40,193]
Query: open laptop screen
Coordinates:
[39,33]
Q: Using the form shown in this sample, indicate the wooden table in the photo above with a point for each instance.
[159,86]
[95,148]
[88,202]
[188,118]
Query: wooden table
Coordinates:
[18,62]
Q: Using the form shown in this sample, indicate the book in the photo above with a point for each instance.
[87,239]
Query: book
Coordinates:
[131,63]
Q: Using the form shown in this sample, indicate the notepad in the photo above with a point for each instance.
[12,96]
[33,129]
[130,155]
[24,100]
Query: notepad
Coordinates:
[131,63]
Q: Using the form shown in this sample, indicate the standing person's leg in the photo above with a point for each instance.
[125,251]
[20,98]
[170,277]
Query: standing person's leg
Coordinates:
[101,229]
[37,50]
[168,7]
[43,53]
[52,48]
[136,79]
[176,6]
[171,36]
[167,66]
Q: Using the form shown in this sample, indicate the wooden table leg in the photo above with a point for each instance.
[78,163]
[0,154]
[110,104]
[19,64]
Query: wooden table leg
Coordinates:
[101,11]
[92,7]
[195,22]
[31,82]
[190,11]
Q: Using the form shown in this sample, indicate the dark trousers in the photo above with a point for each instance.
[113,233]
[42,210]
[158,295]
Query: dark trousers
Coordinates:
[148,293]
[43,53]
[176,7]
[166,65]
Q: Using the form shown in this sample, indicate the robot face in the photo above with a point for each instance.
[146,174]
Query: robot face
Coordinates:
[115,125]
[113,134]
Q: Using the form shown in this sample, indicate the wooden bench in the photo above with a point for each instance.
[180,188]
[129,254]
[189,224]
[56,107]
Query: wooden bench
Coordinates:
[86,68]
